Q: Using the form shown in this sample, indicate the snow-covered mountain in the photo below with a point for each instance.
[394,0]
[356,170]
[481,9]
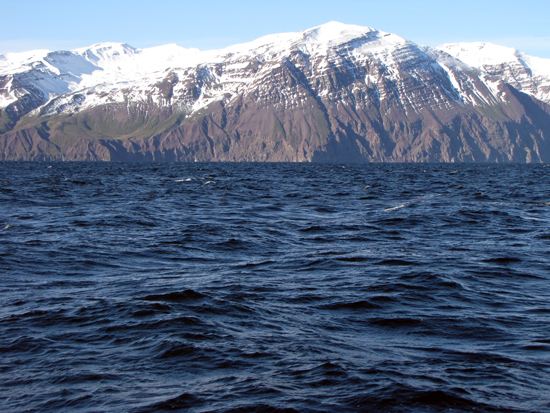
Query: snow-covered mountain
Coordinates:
[526,73]
[331,93]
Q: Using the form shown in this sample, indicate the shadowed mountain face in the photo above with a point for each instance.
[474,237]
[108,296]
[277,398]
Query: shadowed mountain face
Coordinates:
[333,93]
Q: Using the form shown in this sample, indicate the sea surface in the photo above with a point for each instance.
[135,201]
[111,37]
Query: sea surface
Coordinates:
[220,287]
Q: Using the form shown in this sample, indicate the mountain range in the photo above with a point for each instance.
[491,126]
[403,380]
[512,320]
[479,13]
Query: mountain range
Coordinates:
[333,93]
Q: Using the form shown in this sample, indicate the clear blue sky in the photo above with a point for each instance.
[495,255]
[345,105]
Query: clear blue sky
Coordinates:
[212,24]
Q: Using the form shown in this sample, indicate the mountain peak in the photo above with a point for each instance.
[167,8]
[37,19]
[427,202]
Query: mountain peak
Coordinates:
[480,53]
[9,61]
[333,33]
[106,50]
[333,30]
[526,73]
[106,46]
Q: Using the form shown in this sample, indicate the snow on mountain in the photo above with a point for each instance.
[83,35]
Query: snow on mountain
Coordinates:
[17,62]
[361,92]
[108,67]
[66,81]
[117,63]
[101,72]
[114,64]
[480,54]
[526,73]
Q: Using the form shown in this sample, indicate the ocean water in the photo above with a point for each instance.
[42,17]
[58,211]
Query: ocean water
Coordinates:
[217,287]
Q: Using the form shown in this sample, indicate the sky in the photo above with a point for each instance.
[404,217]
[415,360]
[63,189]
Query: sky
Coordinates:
[214,24]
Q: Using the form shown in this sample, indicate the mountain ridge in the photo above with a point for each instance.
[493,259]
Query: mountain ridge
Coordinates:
[526,73]
[335,92]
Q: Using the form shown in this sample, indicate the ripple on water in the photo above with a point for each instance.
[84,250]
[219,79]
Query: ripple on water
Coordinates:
[274,287]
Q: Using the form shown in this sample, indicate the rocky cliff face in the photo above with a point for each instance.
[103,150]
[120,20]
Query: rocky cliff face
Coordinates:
[525,73]
[332,93]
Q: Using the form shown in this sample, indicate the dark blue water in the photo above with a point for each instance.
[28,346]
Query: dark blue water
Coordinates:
[274,288]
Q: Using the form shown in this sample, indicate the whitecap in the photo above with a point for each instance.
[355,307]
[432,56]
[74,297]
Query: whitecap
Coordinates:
[394,208]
